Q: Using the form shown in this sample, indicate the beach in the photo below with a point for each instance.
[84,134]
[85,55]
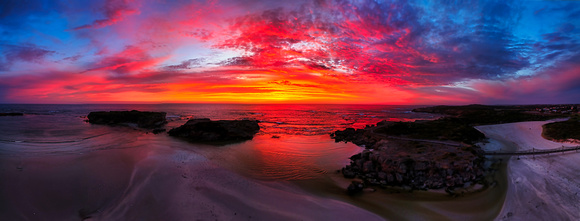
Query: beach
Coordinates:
[542,187]
[153,177]
[151,182]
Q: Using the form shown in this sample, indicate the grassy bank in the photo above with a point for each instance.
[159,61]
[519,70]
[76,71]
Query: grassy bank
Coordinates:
[563,130]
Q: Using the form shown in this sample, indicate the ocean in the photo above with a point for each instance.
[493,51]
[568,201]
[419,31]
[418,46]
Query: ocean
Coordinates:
[283,119]
[56,166]
[62,129]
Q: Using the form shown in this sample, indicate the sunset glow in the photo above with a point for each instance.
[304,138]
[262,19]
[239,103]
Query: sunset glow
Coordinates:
[325,51]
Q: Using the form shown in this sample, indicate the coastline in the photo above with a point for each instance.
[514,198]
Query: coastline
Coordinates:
[540,187]
[152,182]
[158,176]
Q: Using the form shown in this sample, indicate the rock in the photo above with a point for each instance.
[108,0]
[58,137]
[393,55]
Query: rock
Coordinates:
[206,130]
[143,119]
[348,173]
[409,162]
[355,187]
[399,177]
[382,175]
[158,130]
[420,166]
[367,167]
[11,114]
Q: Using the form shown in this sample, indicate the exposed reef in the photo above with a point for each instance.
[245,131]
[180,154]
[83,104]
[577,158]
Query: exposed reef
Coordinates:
[411,163]
[418,165]
[142,119]
[206,130]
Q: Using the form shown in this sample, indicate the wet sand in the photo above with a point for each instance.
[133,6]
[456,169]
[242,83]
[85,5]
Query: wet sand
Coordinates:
[543,187]
[151,182]
[397,204]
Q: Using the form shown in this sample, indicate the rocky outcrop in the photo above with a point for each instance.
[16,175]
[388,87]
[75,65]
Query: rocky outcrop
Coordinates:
[355,187]
[206,130]
[382,167]
[359,137]
[142,119]
[11,114]
[410,163]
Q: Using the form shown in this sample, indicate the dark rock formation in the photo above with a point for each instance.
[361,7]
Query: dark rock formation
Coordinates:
[205,130]
[141,119]
[11,114]
[410,163]
[158,130]
[397,164]
[355,187]
[359,137]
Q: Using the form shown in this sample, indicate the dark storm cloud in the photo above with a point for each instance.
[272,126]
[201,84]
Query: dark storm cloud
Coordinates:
[9,54]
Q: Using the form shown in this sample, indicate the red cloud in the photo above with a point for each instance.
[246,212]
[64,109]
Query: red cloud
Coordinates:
[131,59]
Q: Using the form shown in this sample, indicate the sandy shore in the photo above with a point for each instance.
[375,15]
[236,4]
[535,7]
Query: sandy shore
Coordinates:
[543,187]
[153,182]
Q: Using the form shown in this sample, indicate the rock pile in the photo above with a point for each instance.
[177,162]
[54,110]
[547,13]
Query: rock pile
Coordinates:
[384,168]
[409,163]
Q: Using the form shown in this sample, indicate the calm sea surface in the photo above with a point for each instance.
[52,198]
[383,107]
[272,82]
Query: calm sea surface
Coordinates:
[303,151]
[274,119]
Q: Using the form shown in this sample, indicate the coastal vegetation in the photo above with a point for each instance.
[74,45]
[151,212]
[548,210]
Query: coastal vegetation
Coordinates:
[476,114]
[448,128]
[568,130]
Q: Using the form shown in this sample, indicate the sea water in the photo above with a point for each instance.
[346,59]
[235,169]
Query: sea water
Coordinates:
[301,147]
[52,157]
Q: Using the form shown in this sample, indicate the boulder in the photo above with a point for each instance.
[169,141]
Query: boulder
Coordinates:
[355,187]
[143,119]
[368,167]
[206,130]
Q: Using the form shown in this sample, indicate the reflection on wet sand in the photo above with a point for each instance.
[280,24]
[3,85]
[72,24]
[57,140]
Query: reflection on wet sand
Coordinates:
[152,178]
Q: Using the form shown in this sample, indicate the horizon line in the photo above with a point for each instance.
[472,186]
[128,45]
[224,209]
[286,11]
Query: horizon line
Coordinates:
[209,103]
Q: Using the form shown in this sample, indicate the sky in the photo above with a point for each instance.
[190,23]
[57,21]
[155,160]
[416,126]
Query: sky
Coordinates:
[322,51]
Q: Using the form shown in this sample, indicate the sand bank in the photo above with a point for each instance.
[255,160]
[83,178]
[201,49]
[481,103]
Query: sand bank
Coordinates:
[544,187]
